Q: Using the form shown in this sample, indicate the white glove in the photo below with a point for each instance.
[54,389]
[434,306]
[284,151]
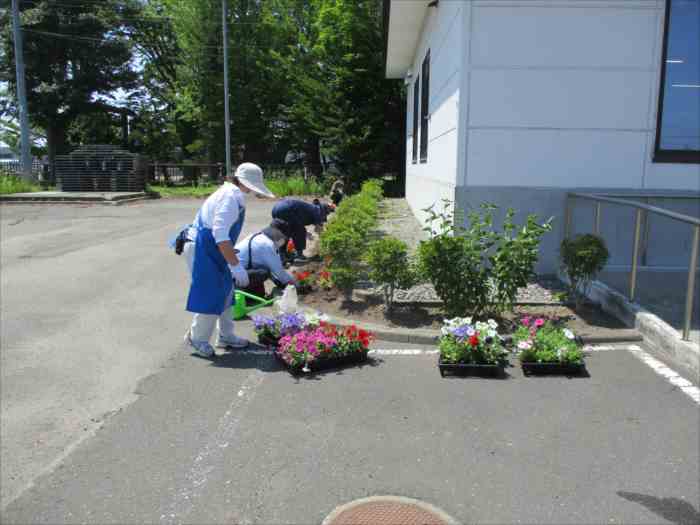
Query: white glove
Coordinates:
[240,276]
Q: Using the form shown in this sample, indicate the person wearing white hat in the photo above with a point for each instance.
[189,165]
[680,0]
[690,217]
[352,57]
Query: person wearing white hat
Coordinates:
[208,245]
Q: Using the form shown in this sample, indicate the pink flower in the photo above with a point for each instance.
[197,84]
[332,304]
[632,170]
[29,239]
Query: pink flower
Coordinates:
[526,320]
[539,322]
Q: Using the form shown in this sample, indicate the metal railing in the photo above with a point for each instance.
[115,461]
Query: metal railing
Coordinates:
[641,211]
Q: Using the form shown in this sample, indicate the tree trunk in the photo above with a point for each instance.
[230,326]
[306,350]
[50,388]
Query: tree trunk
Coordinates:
[56,145]
[312,156]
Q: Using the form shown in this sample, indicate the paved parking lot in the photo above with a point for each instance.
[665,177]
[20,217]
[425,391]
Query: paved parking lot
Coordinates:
[106,419]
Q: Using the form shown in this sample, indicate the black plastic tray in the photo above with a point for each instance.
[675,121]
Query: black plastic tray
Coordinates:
[566,369]
[266,340]
[326,364]
[471,369]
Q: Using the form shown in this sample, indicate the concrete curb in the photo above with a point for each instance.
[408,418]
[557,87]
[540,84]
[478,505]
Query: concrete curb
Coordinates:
[70,199]
[662,339]
[430,337]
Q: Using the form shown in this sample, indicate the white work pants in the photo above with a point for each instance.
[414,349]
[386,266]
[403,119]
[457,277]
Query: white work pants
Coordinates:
[203,324]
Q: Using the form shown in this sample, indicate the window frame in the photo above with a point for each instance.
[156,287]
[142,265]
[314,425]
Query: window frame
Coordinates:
[666,155]
[425,108]
[416,108]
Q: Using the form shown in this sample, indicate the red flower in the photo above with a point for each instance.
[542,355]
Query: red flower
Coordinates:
[474,341]
[290,246]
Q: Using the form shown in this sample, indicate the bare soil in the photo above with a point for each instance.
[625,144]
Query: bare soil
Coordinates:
[588,320]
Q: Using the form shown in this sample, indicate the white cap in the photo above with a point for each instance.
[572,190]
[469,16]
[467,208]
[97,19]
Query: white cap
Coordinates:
[251,176]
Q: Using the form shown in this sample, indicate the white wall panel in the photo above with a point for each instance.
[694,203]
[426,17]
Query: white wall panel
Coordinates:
[513,35]
[555,158]
[444,111]
[560,98]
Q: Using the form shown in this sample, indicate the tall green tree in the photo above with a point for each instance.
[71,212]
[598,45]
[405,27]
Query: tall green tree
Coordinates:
[74,53]
[363,116]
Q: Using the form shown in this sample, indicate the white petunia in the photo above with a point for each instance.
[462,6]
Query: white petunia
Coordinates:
[493,324]
[568,333]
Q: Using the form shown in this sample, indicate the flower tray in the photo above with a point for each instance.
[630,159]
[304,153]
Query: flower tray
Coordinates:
[326,364]
[471,369]
[566,369]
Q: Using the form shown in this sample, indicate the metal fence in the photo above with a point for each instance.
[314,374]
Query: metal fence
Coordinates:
[642,212]
[100,168]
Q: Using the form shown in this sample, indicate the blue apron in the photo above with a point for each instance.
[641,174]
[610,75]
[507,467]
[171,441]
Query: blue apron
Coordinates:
[211,277]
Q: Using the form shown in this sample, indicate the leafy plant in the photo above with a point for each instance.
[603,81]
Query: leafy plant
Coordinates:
[475,269]
[582,258]
[13,184]
[390,267]
[513,264]
[541,341]
[343,239]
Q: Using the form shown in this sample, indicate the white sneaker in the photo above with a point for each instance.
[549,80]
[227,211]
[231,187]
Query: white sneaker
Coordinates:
[202,349]
[232,342]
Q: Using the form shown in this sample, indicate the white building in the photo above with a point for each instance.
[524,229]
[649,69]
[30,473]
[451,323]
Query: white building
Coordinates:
[517,102]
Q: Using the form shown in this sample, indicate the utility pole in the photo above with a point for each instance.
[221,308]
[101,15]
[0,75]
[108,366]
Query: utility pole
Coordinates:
[21,94]
[227,117]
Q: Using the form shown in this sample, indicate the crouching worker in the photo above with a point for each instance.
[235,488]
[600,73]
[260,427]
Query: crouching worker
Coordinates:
[300,214]
[208,246]
[259,254]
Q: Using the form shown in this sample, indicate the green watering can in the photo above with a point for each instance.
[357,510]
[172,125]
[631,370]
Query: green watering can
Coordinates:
[240,306]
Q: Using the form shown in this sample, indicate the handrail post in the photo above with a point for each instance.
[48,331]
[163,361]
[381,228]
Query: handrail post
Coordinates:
[635,254]
[567,216]
[596,219]
[690,293]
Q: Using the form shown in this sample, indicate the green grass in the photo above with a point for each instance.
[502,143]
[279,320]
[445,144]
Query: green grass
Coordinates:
[294,185]
[280,186]
[184,191]
[13,184]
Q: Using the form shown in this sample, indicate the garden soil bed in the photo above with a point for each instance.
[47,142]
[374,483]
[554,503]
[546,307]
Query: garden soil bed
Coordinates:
[587,321]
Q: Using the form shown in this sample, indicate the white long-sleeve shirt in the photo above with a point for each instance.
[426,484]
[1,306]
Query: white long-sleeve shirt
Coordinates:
[220,211]
[265,256]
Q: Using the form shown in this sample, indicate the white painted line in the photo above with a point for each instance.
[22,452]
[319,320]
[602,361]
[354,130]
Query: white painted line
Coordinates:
[378,351]
[211,454]
[399,351]
[603,348]
[685,386]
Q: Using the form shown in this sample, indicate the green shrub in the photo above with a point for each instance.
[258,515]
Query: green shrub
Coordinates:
[476,269]
[513,264]
[344,238]
[582,258]
[390,267]
[13,184]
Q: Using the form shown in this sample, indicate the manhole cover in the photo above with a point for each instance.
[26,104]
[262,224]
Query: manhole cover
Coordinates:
[388,510]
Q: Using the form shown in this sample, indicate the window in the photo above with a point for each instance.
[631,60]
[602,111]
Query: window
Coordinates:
[678,123]
[424,100]
[416,90]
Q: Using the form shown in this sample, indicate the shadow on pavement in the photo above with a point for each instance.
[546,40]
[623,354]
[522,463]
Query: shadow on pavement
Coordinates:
[674,510]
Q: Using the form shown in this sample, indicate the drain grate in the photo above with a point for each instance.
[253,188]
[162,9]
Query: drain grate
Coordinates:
[388,510]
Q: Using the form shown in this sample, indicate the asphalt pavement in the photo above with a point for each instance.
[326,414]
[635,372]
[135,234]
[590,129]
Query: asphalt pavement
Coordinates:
[92,301]
[106,418]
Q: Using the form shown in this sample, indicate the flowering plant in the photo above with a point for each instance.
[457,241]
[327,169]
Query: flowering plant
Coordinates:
[541,341]
[305,346]
[465,342]
[324,279]
[279,325]
[322,341]
[303,278]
